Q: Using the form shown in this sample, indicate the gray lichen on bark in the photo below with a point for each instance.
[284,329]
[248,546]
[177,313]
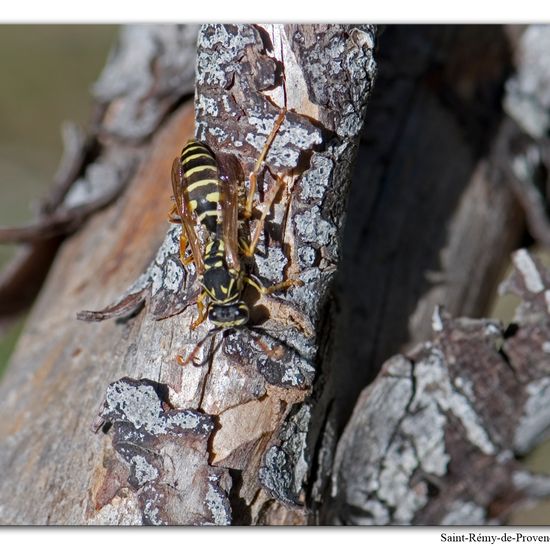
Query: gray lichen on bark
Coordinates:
[250,436]
[444,450]
[246,76]
[165,452]
[91,172]
[527,97]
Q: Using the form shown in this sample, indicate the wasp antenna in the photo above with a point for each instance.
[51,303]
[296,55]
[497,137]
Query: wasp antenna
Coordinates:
[192,356]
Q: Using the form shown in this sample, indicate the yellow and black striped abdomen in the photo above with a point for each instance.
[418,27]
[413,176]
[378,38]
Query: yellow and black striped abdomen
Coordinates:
[203,189]
[222,284]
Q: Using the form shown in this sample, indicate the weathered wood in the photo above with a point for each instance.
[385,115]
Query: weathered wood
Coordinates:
[150,71]
[456,412]
[61,367]
[251,459]
[526,147]
[433,439]
[426,186]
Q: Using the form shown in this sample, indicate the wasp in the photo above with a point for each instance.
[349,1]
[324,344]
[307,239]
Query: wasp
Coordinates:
[206,191]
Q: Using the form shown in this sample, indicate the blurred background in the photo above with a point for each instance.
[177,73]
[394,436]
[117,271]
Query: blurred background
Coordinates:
[47,72]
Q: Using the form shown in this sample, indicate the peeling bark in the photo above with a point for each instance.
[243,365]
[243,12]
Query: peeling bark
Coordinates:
[432,219]
[60,368]
[461,102]
[166,454]
[260,66]
[458,411]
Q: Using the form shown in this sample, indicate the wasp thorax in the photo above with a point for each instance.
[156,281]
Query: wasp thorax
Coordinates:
[229,315]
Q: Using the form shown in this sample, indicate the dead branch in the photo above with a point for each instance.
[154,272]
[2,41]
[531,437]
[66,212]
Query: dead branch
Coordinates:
[457,412]
[52,370]
[150,72]
[252,457]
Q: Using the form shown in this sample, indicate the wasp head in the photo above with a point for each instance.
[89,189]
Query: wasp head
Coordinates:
[228,315]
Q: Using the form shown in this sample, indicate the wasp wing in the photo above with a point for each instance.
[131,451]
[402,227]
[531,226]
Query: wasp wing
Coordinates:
[178,186]
[231,177]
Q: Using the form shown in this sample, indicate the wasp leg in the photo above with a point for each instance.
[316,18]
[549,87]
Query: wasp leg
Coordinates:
[185,260]
[202,311]
[192,356]
[276,353]
[184,361]
[200,319]
[249,249]
[273,288]
[253,178]
[174,218]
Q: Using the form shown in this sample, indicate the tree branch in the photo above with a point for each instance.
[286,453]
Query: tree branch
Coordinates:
[253,458]
[457,412]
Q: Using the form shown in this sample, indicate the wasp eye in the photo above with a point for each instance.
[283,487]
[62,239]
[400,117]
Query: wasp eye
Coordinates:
[229,315]
[243,312]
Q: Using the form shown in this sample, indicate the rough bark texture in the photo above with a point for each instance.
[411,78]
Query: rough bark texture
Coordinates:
[431,219]
[434,439]
[437,220]
[457,411]
[445,181]
[227,442]
[61,367]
